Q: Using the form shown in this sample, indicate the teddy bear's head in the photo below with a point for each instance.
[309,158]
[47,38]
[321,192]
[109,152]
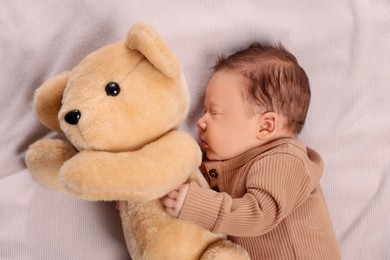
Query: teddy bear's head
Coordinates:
[119,97]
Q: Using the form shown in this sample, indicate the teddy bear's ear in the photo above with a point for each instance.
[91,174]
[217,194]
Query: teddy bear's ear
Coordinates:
[146,40]
[47,100]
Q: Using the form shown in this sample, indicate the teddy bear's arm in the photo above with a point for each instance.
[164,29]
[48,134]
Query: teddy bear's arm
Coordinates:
[146,174]
[199,178]
[44,159]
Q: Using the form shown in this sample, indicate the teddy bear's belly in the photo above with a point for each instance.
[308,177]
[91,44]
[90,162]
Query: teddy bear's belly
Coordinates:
[150,233]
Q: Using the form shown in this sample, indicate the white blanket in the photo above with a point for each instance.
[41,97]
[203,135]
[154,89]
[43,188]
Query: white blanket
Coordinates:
[344,46]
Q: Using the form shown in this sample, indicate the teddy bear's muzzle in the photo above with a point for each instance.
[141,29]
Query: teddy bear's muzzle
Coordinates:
[73,117]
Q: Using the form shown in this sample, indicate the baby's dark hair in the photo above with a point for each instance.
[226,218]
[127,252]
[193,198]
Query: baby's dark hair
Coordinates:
[275,81]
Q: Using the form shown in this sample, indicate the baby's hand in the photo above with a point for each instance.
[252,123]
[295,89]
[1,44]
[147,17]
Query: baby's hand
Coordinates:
[174,200]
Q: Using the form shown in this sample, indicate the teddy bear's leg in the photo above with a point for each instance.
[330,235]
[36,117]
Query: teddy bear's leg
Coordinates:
[225,250]
[45,158]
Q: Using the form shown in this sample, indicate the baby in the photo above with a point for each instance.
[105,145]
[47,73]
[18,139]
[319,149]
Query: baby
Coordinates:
[266,193]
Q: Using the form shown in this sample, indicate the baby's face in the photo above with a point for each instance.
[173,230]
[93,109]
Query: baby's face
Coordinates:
[226,129]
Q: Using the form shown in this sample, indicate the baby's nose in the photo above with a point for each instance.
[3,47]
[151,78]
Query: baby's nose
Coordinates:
[202,124]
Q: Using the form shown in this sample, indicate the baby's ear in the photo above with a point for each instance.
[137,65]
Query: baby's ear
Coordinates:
[48,100]
[148,42]
[267,127]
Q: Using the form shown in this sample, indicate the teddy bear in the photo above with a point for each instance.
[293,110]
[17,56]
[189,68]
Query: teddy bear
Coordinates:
[118,113]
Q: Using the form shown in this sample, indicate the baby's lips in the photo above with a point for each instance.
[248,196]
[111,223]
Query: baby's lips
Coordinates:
[203,144]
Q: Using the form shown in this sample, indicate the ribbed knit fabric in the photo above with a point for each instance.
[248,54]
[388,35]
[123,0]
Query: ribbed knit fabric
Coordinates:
[270,202]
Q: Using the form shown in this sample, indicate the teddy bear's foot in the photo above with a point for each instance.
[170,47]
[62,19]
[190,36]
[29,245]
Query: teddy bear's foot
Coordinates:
[225,250]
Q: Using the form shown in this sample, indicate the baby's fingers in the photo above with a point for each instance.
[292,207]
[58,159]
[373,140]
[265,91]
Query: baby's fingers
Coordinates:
[173,194]
[170,206]
[168,202]
[172,212]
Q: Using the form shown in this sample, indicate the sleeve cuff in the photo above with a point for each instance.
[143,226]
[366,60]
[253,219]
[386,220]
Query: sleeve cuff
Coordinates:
[201,206]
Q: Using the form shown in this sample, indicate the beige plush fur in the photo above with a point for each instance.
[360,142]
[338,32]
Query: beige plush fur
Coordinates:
[126,147]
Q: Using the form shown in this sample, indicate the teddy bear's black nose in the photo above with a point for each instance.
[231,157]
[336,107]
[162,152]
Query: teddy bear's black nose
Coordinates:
[73,117]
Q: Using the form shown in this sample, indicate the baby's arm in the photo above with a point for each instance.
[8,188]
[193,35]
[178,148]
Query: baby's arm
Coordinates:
[268,200]
[173,201]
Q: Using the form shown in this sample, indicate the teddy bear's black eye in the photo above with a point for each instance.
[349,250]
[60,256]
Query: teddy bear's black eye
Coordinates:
[113,89]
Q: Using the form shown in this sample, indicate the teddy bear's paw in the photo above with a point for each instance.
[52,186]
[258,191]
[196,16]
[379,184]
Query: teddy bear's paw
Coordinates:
[49,151]
[44,159]
[225,250]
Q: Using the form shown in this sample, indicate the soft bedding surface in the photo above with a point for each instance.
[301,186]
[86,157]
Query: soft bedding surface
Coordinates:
[344,46]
